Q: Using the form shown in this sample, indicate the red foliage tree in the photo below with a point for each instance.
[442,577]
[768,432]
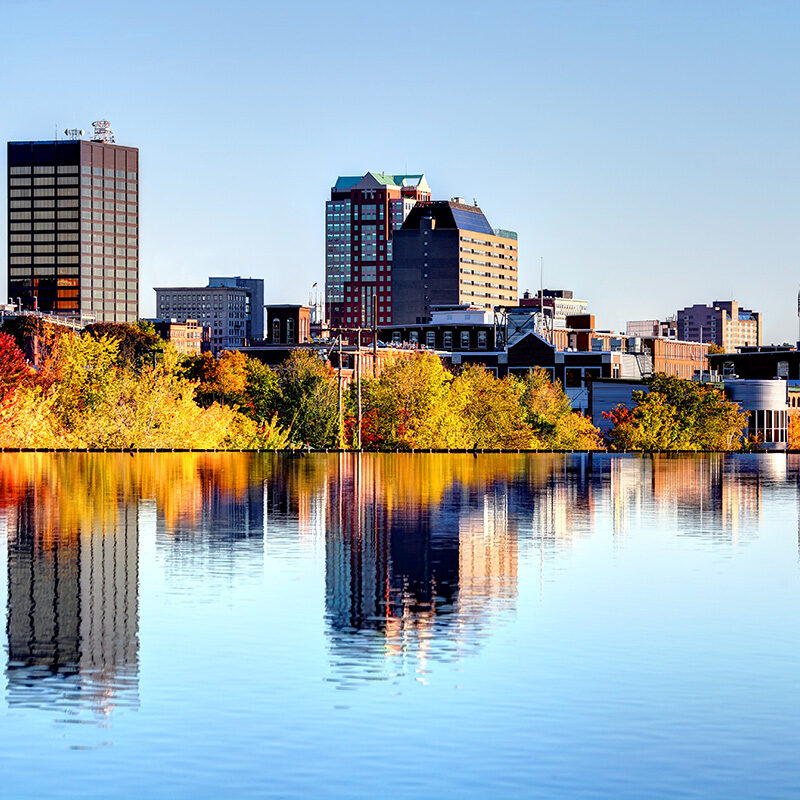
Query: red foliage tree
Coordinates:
[14,370]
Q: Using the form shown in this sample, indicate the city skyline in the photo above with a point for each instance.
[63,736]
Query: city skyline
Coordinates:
[632,142]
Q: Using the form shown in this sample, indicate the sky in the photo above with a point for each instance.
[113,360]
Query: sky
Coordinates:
[646,152]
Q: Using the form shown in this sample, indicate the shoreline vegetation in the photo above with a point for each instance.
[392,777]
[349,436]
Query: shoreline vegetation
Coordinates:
[122,388]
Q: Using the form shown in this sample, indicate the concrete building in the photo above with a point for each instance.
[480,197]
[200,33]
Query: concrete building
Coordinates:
[447,253]
[288,324]
[724,323]
[648,328]
[222,309]
[360,220]
[254,321]
[558,304]
[73,227]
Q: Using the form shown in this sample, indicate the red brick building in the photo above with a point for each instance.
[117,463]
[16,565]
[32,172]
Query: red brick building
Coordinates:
[360,218]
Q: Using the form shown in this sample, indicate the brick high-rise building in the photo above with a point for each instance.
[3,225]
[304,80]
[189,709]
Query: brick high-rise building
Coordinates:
[725,323]
[360,219]
[73,227]
[446,253]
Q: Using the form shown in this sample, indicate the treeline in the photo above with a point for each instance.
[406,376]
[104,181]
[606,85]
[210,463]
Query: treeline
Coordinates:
[121,386]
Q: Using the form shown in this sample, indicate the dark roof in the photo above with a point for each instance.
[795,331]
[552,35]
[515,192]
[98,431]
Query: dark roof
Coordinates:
[448,215]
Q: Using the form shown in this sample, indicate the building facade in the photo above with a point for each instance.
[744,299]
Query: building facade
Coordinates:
[558,304]
[189,338]
[361,218]
[73,228]
[222,309]
[725,323]
[254,321]
[648,328]
[447,253]
[288,324]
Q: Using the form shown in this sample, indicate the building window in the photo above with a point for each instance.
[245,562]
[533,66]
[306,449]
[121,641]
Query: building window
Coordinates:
[448,340]
[482,340]
[430,339]
[289,331]
[413,337]
[465,340]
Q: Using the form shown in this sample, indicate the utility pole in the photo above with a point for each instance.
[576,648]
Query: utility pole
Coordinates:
[341,425]
[375,335]
[358,387]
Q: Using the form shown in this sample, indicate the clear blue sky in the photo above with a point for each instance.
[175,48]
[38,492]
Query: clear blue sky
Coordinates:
[649,151]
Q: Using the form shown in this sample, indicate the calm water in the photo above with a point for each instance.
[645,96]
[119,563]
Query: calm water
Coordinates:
[237,625]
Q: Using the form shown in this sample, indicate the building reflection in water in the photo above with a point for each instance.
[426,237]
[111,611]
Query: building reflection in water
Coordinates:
[418,552]
[72,620]
[421,552]
[216,520]
[713,496]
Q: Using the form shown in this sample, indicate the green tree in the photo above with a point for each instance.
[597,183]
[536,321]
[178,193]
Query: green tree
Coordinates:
[261,391]
[307,400]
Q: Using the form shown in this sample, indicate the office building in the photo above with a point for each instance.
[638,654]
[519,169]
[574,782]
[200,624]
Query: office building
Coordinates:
[222,309]
[360,220]
[446,253]
[725,323]
[254,327]
[73,227]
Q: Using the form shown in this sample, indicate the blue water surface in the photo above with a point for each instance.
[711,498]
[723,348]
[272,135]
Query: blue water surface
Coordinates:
[362,626]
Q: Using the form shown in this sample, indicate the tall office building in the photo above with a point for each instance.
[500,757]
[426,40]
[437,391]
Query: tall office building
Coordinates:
[446,253]
[73,227]
[725,323]
[360,219]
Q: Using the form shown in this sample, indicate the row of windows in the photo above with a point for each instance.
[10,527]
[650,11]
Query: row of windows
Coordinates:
[487,243]
[62,169]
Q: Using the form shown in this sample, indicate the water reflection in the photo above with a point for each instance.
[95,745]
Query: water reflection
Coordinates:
[72,620]
[421,554]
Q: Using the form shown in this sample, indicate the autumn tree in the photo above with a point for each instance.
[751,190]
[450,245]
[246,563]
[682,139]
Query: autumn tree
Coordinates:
[14,370]
[548,412]
[306,400]
[489,410]
[137,344]
[407,406]
[678,414]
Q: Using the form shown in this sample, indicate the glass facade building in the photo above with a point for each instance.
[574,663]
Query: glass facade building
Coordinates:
[73,229]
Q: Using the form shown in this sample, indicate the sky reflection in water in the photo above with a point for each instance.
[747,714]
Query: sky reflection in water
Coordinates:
[547,625]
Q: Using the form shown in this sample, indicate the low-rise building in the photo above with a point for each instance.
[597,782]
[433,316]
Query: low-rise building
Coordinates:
[759,363]
[558,304]
[765,402]
[188,338]
[288,324]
